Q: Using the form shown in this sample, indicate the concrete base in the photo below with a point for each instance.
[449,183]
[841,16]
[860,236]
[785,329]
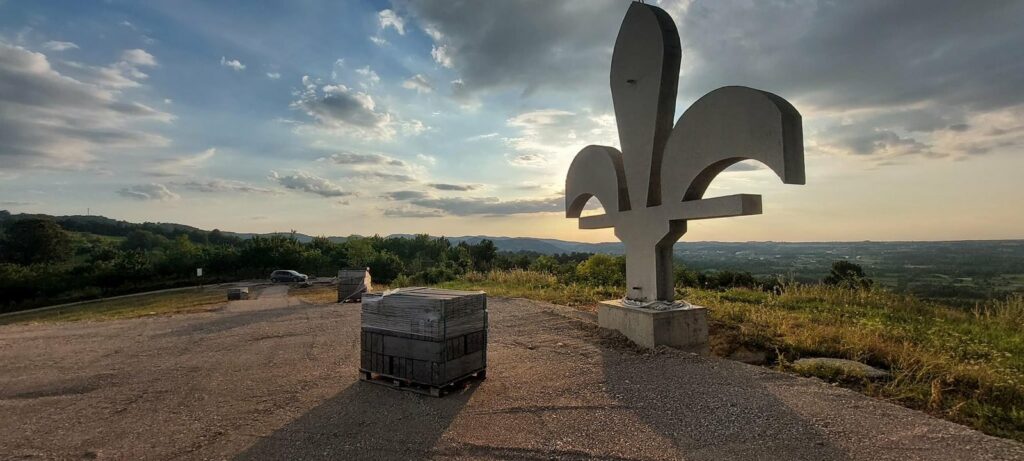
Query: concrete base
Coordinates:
[685,328]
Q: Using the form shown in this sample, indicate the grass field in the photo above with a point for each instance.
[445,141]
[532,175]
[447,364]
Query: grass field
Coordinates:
[176,302]
[960,364]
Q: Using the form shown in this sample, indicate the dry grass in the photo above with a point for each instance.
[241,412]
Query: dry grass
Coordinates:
[965,366]
[177,302]
[316,294]
[534,285]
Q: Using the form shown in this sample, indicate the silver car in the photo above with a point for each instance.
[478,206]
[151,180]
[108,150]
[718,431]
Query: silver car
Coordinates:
[287,276]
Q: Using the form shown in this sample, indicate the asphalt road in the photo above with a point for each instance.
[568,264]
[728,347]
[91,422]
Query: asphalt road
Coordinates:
[274,378]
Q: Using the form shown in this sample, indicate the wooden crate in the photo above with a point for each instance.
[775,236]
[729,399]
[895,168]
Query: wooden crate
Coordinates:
[424,336]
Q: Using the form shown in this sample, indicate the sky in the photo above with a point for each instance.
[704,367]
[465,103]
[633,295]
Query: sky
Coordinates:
[461,118]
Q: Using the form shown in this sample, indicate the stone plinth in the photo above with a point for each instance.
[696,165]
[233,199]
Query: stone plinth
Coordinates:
[684,328]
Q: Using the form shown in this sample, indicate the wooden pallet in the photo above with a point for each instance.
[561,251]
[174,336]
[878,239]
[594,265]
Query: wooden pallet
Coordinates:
[406,385]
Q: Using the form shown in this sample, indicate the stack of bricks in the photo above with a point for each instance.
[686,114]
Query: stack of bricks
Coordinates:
[352,283]
[425,336]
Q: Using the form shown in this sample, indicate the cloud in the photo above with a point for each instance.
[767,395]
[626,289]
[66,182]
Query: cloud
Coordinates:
[338,107]
[379,41]
[374,174]
[273,75]
[409,212]
[405,195]
[454,187]
[895,71]
[419,83]
[16,203]
[183,164]
[427,159]
[522,46]
[50,120]
[442,55]
[351,158]
[125,73]
[491,206]
[550,138]
[305,182]
[388,18]
[54,45]
[370,77]
[224,185]
[152,191]
[482,136]
[138,57]
[233,64]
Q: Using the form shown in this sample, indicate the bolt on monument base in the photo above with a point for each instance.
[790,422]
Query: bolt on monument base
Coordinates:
[684,328]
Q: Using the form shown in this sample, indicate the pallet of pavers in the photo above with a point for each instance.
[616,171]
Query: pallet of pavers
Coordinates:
[424,339]
[352,283]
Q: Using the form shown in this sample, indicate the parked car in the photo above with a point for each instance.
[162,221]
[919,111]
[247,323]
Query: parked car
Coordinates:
[287,276]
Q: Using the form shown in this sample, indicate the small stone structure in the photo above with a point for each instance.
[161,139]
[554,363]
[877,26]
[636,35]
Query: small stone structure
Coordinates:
[352,283]
[656,184]
[237,294]
[425,337]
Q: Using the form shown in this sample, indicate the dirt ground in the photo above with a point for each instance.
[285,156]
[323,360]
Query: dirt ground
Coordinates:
[275,378]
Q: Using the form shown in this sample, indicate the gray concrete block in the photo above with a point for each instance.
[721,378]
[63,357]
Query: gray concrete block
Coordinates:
[685,328]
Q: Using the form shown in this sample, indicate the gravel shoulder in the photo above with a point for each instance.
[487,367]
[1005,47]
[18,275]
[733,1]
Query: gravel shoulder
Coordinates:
[275,378]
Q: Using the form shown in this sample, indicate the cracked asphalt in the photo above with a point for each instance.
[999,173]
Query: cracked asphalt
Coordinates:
[275,378]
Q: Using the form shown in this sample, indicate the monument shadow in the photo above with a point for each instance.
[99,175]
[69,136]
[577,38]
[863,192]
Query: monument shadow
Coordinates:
[365,421]
[712,408]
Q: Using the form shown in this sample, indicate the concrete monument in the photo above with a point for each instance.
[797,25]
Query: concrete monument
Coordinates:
[656,183]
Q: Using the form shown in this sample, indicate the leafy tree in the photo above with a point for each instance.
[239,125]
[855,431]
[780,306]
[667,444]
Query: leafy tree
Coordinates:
[603,270]
[34,241]
[385,267]
[848,275]
[483,255]
[143,240]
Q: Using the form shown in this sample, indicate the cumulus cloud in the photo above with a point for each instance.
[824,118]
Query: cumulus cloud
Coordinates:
[184,164]
[338,107]
[410,212]
[427,159]
[419,83]
[376,174]
[552,137]
[125,73]
[50,120]
[274,75]
[454,187]
[54,45]
[388,18]
[138,57]
[223,186]
[405,195]
[895,71]
[442,55]
[305,182]
[232,64]
[152,191]
[379,41]
[490,206]
[351,158]
[522,45]
[369,77]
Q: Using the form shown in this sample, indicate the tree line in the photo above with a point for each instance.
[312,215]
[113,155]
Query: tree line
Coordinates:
[42,262]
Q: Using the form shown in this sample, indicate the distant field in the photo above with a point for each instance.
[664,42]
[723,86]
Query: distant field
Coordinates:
[194,300]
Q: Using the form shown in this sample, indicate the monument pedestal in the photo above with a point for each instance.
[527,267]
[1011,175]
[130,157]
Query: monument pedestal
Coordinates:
[683,328]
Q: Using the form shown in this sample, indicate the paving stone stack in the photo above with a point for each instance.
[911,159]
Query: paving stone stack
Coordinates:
[426,336]
[352,283]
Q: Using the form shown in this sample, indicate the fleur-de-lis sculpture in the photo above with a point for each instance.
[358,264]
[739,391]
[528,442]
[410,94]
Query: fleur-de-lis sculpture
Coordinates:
[656,183]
